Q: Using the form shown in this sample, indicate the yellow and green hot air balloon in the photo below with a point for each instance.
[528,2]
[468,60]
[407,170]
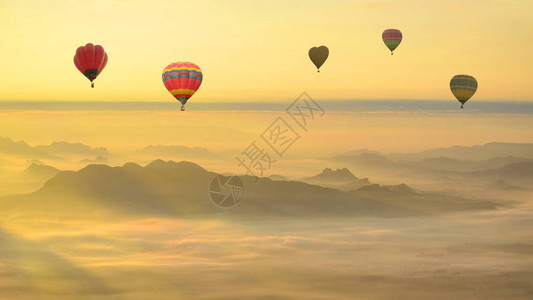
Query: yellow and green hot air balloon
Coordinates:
[392,38]
[463,87]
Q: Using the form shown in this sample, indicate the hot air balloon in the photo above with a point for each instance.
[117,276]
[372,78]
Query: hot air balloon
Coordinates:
[90,60]
[392,38]
[182,80]
[318,56]
[463,87]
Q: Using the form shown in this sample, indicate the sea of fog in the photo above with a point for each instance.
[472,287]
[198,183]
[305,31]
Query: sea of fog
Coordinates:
[475,256]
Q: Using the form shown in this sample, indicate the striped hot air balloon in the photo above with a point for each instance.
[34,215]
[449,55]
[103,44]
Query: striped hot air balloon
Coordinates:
[90,60]
[463,87]
[392,38]
[182,80]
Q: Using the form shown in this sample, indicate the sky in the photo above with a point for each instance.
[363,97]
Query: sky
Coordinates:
[257,50]
[254,57]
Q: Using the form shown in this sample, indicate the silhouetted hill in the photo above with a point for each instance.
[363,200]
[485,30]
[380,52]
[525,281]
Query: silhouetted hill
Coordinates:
[40,171]
[516,173]
[181,188]
[98,160]
[341,179]
[278,177]
[329,176]
[402,188]
[392,189]
[404,196]
[159,187]
[132,166]
[519,169]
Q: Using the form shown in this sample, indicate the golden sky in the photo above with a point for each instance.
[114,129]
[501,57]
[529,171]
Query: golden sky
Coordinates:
[257,50]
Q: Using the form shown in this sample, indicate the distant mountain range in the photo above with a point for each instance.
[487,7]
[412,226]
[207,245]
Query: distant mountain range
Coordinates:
[66,148]
[10,147]
[477,152]
[515,169]
[172,188]
[53,151]
[462,153]
[439,163]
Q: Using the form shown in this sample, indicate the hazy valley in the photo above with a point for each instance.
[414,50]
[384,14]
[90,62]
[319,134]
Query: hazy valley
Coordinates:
[378,232]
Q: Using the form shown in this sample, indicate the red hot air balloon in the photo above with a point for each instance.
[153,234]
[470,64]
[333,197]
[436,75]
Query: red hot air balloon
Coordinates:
[182,80]
[90,60]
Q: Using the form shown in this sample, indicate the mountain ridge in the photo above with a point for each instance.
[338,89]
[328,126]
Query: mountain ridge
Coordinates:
[181,188]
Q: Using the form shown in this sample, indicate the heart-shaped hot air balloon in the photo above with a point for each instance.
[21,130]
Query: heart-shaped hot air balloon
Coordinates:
[318,56]
[463,87]
[392,38]
[90,61]
[182,80]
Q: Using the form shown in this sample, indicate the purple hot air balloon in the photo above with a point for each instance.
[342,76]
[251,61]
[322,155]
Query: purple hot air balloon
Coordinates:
[392,38]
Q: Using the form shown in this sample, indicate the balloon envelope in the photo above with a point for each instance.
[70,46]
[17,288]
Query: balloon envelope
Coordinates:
[182,80]
[392,38]
[318,55]
[90,60]
[463,87]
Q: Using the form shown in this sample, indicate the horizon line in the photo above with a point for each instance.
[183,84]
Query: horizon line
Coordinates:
[5,101]
[383,105]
